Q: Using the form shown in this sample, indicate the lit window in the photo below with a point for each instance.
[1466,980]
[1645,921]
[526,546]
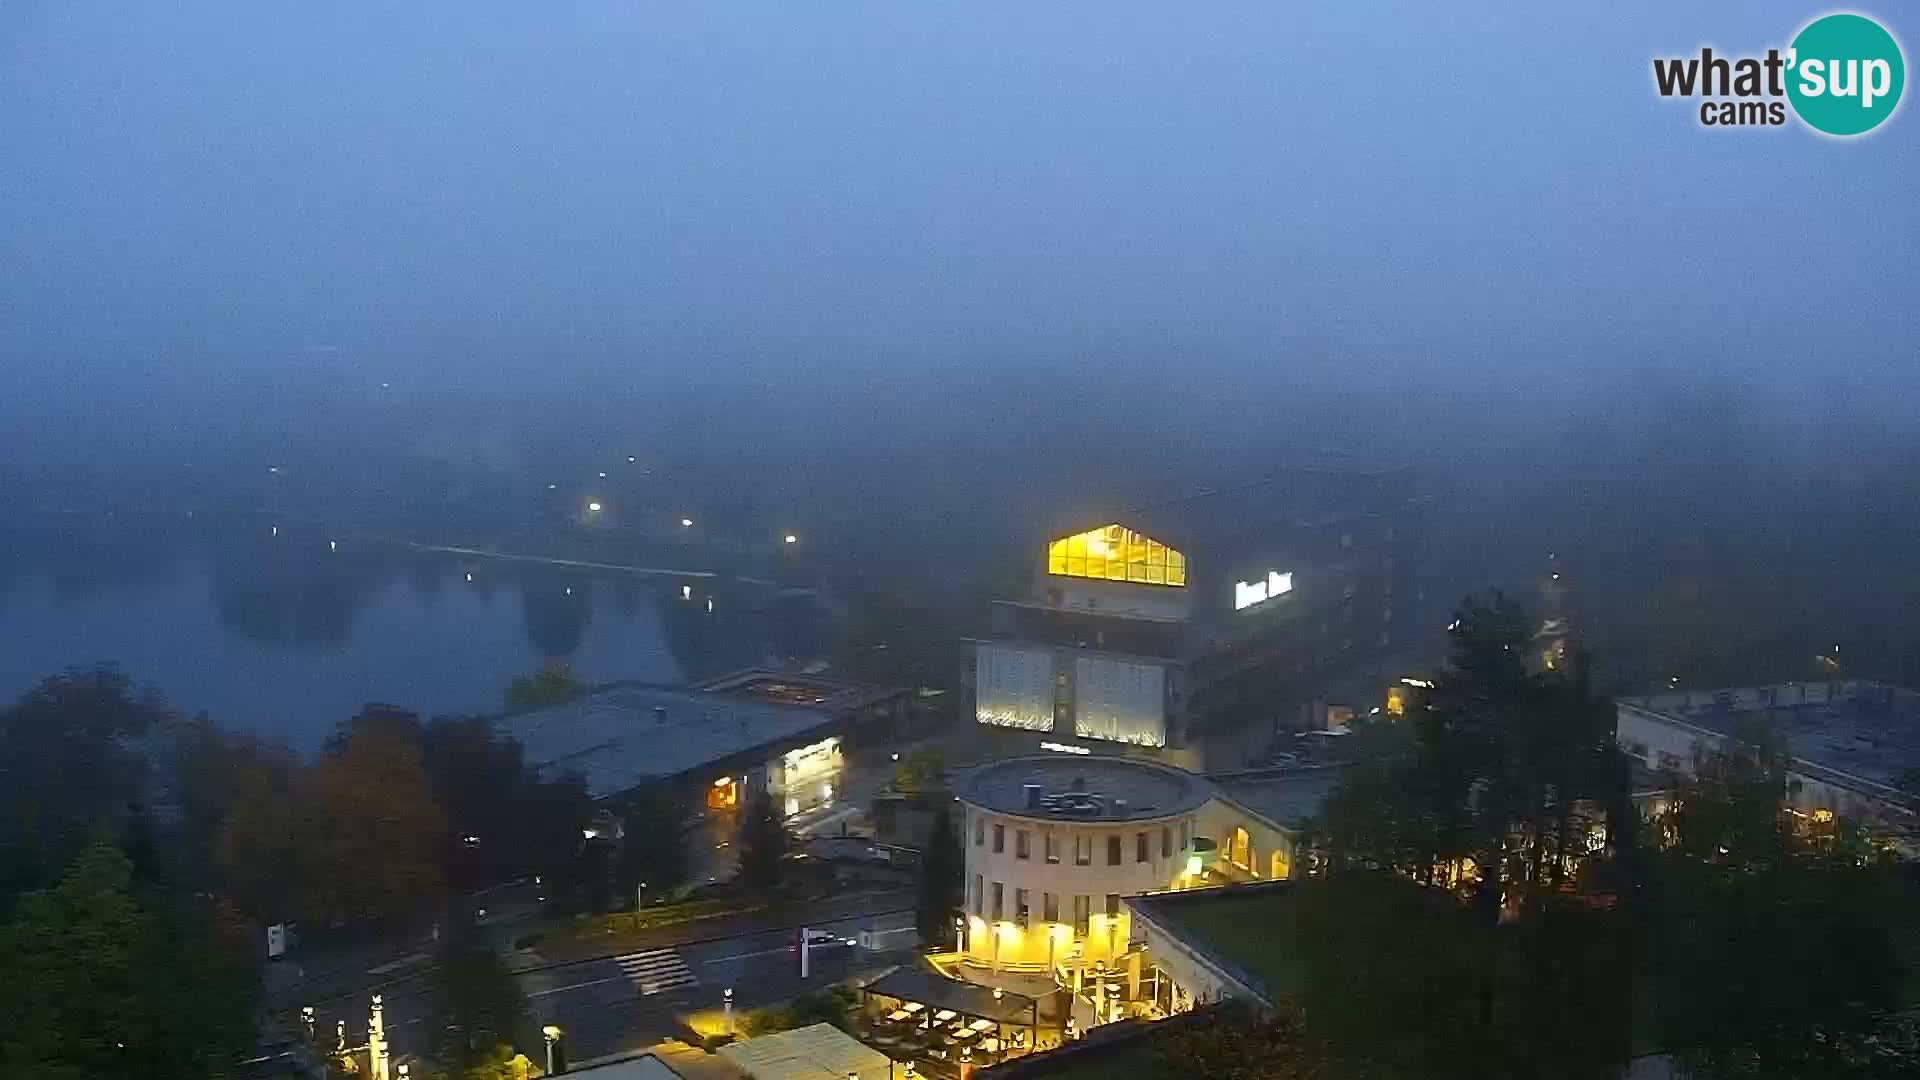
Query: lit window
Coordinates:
[1114,553]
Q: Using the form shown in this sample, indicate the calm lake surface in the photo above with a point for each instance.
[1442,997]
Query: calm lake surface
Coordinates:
[282,630]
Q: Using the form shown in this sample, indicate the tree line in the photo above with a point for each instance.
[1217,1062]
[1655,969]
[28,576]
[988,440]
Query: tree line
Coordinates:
[1497,893]
[142,854]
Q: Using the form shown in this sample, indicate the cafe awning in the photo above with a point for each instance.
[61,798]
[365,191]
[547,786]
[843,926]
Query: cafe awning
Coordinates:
[939,992]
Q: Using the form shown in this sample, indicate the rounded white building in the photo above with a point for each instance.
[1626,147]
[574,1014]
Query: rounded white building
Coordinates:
[1052,844]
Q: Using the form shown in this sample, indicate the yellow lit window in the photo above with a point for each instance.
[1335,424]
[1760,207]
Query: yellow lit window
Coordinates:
[1114,553]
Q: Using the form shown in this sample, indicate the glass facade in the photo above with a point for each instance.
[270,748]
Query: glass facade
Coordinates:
[1113,553]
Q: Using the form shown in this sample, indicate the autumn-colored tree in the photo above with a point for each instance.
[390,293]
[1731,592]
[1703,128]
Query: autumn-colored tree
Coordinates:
[368,836]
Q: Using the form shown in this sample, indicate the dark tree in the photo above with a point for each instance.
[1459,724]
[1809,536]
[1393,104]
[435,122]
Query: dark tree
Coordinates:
[477,1010]
[66,770]
[942,878]
[100,984]
[653,849]
[1775,943]
[763,844]
[504,820]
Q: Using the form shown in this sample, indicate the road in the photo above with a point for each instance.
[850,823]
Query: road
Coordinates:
[624,1002]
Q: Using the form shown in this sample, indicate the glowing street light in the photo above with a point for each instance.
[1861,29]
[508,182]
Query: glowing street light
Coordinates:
[593,507]
[603,476]
[552,1036]
[553,487]
[686,523]
[792,539]
[631,459]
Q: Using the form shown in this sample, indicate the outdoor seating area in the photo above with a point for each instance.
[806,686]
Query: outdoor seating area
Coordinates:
[913,1014]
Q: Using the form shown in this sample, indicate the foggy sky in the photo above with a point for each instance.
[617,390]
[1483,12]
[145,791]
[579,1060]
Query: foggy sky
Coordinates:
[1225,215]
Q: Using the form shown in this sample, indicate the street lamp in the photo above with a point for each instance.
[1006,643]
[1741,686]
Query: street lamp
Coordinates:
[686,523]
[792,539]
[726,996]
[593,507]
[639,897]
[960,933]
[552,1036]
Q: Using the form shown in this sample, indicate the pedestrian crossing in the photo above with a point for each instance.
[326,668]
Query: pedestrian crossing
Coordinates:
[656,971]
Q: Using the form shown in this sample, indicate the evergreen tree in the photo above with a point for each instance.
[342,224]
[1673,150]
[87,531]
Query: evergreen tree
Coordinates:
[477,1009]
[942,877]
[763,844]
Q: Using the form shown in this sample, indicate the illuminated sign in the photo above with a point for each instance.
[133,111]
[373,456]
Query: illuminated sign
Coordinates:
[1063,748]
[1248,593]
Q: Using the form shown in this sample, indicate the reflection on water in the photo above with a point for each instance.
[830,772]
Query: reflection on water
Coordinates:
[279,628]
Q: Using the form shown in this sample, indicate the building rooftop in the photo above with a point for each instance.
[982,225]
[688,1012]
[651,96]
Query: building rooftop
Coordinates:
[1088,789]
[627,734]
[1845,731]
[795,688]
[1247,931]
[1289,797]
[815,1052]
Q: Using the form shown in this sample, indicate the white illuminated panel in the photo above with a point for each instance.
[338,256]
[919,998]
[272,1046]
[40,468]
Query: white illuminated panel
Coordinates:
[1063,748]
[1013,687]
[1120,701]
[1248,593]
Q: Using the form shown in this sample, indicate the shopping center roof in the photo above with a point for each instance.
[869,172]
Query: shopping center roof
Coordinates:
[627,734]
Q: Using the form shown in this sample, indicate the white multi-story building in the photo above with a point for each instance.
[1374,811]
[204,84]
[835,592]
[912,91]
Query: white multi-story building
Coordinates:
[1054,843]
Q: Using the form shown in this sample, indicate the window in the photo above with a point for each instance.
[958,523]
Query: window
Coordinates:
[1083,851]
[979,830]
[1113,904]
[1166,842]
[1186,836]
[979,894]
[1022,844]
[1080,914]
[1139,847]
[1049,907]
[1053,848]
[999,895]
[999,839]
[1021,912]
[1114,553]
[1113,850]
[1239,849]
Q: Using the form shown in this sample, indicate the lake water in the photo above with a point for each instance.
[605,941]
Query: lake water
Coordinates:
[282,631]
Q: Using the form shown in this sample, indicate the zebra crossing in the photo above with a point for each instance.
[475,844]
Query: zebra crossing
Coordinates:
[656,971]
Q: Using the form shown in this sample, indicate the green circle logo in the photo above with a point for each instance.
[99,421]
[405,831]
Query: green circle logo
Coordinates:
[1845,74]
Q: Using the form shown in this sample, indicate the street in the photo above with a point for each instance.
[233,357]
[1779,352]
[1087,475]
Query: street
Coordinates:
[630,1000]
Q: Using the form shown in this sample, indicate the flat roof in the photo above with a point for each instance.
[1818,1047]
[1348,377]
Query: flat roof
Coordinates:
[1839,732]
[1245,930]
[1288,797]
[814,1052]
[1085,789]
[628,734]
[801,688]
